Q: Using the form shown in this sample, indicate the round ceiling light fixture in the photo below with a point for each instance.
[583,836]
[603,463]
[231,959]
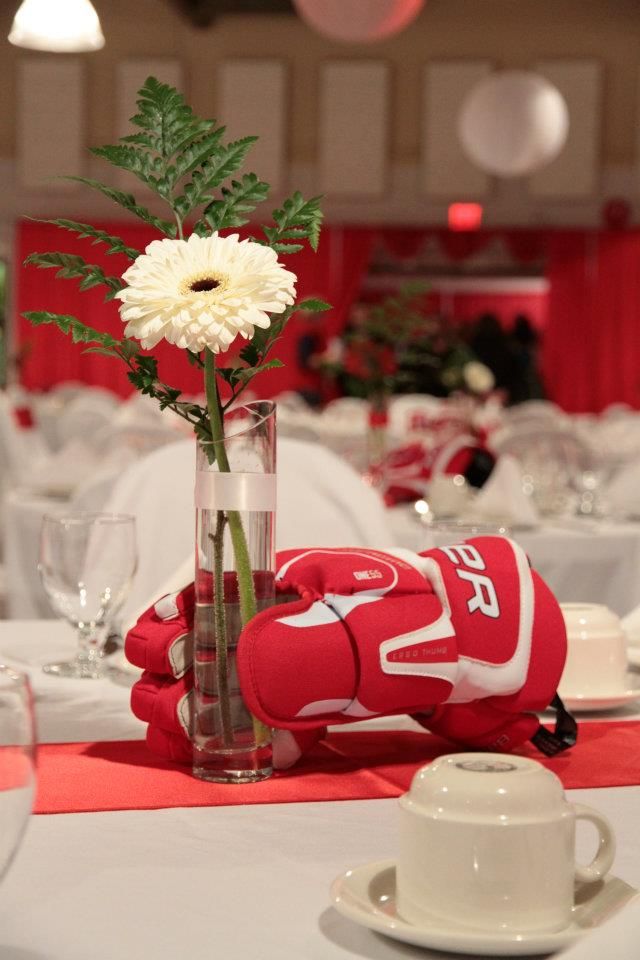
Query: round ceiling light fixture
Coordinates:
[513,123]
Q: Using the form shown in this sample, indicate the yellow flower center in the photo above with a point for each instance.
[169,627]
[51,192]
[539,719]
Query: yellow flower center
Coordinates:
[203,283]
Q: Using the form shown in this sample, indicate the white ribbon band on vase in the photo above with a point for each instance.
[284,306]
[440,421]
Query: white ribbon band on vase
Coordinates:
[243,492]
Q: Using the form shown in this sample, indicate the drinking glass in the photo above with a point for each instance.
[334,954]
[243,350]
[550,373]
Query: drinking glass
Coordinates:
[87,563]
[17,762]
[445,533]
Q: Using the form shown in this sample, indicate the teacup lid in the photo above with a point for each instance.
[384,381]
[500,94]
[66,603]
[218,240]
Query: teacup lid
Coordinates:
[468,786]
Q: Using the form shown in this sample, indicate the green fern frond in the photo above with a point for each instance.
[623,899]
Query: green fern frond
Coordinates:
[83,230]
[297,218]
[241,197]
[128,202]
[213,172]
[73,267]
[80,332]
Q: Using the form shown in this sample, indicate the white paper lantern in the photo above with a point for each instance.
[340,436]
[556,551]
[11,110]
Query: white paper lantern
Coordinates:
[358,21]
[512,123]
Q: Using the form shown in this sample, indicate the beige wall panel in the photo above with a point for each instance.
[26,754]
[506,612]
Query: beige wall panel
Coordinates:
[354,127]
[576,170]
[445,170]
[252,100]
[50,119]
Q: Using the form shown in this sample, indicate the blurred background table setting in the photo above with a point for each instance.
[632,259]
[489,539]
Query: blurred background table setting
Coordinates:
[70,463]
[571,508]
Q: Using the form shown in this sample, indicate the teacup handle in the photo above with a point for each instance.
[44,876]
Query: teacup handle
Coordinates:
[603,860]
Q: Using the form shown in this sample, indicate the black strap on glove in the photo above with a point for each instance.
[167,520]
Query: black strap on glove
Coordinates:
[564,734]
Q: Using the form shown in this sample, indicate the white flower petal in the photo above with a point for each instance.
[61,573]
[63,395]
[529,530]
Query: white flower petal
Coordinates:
[159,302]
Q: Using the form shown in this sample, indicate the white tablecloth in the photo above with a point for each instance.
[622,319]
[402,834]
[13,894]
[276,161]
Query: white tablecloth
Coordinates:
[239,883]
[242,883]
[66,710]
[589,561]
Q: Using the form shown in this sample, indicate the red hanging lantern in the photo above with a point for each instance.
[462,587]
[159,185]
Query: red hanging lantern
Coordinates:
[358,21]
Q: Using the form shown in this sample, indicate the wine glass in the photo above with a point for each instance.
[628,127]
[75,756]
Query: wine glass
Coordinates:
[17,762]
[87,562]
[445,533]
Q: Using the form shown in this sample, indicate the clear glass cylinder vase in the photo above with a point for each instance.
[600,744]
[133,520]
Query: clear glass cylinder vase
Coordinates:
[235,497]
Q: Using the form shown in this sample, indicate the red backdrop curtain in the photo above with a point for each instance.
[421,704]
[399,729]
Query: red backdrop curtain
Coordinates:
[591,350]
[524,244]
[468,306]
[591,347]
[334,273]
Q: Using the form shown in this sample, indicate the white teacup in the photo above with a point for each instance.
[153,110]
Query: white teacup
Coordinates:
[487,841]
[596,663]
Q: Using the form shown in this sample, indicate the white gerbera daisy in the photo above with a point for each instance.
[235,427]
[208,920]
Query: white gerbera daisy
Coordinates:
[203,292]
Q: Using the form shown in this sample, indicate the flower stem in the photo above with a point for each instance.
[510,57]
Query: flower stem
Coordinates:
[246,591]
[248,607]
[220,629]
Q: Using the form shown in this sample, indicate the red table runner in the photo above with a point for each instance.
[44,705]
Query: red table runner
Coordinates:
[124,775]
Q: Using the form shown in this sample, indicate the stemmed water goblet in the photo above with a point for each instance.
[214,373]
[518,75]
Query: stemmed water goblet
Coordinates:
[445,533]
[86,564]
[17,761]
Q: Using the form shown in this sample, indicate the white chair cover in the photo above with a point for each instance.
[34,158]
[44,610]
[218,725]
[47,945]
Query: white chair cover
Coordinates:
[346,408]
[298,421]
[83,417]
[68,389]
[623,492]
[21,451]
[291,400]
[321,502]
[139,439]
[13,446]
[343,427]
[544,409]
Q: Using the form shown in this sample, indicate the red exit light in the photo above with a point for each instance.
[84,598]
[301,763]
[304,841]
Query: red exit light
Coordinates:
[465,216]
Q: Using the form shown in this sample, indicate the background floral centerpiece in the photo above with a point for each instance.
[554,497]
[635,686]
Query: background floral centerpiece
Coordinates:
[200,288]
[363,360]
[400,346]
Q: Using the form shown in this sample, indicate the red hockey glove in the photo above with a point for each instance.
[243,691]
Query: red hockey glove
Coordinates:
[161,643]
[467,639]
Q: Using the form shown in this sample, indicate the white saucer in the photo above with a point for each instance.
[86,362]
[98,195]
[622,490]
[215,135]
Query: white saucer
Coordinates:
[366,895]
[604,701]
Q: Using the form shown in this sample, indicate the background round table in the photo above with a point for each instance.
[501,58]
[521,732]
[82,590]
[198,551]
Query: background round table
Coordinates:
[581,560]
